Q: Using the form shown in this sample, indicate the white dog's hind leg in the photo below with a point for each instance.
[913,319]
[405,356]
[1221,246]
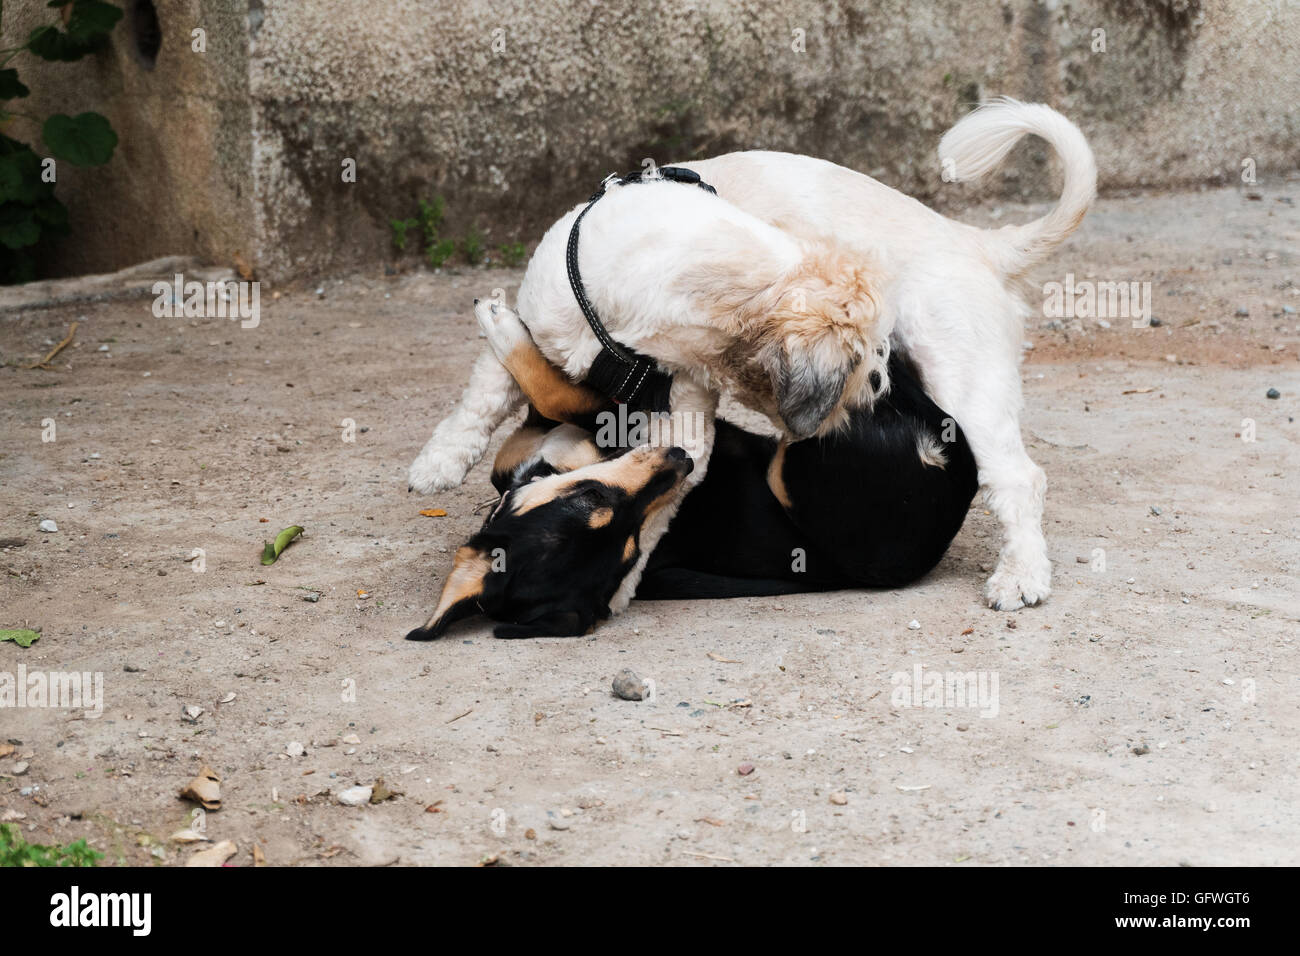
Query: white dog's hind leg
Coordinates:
[1014,488]
[462,437]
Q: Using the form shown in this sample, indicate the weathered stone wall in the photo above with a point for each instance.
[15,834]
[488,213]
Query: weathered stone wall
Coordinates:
[512,110]
[180,177]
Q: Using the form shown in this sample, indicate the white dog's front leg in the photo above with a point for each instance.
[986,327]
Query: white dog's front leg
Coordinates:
[462,437]
[691,427]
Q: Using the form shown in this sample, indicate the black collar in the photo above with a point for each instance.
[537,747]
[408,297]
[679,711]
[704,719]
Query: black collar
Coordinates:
[619,372]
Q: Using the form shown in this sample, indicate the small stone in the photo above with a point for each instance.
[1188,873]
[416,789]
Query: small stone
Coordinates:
[1242,310]
[49,526]
[1080,559]
[963,727]
[628,686]
[355,796]
[530,834]
[745,769]
[311,598]
[839,798]
[20,768]
[559,823]
[352,739]
[913,625]
[295,749]
[1271,393]
[1141,749]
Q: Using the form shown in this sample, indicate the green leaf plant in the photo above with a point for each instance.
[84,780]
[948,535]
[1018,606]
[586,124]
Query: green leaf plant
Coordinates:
[30,215]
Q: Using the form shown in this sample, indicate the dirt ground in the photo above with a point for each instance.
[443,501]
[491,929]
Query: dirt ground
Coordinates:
[1146,714]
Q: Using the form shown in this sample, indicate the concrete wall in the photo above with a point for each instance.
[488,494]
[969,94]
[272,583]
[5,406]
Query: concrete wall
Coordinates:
[513,110]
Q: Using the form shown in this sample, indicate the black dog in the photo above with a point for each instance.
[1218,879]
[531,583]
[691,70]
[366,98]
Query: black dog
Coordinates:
[874,504]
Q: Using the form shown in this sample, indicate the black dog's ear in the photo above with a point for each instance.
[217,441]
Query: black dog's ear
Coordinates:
[808,383]
[553,624]
[460,595]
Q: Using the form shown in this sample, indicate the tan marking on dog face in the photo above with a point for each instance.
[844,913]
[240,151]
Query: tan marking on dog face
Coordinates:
[776,476]
[465,581]
[600,517]
[546,387]
[630,472]
[629,549]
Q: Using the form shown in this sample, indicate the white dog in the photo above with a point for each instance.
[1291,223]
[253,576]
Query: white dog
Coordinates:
[791,300]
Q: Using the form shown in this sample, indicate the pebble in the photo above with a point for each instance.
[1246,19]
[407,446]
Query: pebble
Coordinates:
[49,526]
[1242,310]
[20,768]
[311,598]
[839,798]
[913,625]
[628,686]
[352,739]
[355,796]
[1271,393]
[1141,749]
[745,769]
[559,823]
[295,749]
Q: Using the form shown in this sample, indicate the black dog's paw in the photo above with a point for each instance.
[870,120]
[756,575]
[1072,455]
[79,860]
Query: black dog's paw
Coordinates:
[423,634]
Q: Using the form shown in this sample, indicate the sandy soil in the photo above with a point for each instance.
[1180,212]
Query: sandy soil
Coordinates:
[1147,714]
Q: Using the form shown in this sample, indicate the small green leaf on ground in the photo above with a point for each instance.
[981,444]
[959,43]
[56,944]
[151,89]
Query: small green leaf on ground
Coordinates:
[20,636]
[273,549]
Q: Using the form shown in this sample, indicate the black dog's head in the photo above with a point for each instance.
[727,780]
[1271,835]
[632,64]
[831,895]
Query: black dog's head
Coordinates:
[556,547]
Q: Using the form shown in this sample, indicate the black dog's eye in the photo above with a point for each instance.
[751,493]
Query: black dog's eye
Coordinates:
[594,494]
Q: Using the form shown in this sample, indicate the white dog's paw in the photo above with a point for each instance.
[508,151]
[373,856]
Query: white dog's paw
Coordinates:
[1014,586]
[501,324]
[436,471]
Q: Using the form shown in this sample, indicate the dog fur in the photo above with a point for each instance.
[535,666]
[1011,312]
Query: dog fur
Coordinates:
[791,293]
[872,504]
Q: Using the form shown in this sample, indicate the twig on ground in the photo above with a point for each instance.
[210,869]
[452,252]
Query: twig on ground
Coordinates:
[45,362]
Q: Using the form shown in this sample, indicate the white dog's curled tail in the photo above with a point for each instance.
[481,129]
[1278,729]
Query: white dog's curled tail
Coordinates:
[982,139]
